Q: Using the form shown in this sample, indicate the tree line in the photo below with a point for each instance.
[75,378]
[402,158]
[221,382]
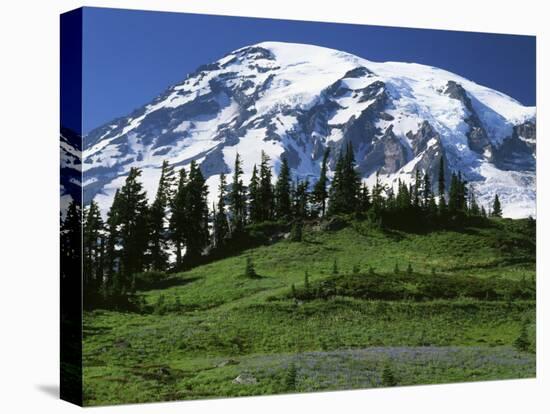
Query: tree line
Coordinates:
[178,228]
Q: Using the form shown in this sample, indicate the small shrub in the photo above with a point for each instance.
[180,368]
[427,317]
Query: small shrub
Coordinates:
[388,378]
[249,270]
[522,342]
[296,232]
[290,378]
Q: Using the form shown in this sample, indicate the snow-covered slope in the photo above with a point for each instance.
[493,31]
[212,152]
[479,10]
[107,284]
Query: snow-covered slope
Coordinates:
[294,100]
[70,168]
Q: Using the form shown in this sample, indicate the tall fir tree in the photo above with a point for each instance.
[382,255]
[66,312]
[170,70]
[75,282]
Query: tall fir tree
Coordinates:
[320,191]
[93,248]
[237,199]
[283,208]
[343,194]
[71,248]
[364,202]
[158,218]
[253,197]
[301,200]
[441,186]
[197,213]
[426,190]
[179,219]
[221,225]
[265,190]
[132,221]
[497,208]
[417,189]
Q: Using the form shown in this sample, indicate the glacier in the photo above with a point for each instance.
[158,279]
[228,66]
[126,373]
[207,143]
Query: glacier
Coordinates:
[295,100]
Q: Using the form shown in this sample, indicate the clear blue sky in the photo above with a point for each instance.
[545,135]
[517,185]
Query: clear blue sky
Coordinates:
[130,57]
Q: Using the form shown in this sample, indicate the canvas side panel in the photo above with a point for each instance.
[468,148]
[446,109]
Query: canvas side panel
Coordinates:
[71,206]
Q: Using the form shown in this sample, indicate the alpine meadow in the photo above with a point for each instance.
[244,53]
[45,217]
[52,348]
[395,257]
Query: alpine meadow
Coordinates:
[295,218]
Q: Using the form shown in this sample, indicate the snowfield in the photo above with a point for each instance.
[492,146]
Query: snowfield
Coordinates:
[295,100]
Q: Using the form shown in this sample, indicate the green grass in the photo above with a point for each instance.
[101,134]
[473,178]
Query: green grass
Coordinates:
[216,324]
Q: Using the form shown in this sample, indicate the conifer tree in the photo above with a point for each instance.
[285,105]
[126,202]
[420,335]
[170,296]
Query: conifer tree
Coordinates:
[70,249]
[132,220]
[282,193]
[473,206]
[343,194]
[196,208]
[179,218]
[300,199]
[417,190]
[320,192]
[221,225]
[253,197]
[497,208]
[364,198]
[441,186]
[453,194]
[93,252]
[426,190]
[265,190]
[237,198]
[158,237]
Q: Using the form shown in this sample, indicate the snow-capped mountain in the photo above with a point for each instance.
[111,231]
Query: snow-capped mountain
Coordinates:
[71,168]
[294,100]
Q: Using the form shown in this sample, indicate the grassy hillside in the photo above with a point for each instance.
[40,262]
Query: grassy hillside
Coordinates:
[212,332]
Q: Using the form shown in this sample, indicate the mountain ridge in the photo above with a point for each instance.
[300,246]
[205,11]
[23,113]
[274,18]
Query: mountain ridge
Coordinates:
[296,100]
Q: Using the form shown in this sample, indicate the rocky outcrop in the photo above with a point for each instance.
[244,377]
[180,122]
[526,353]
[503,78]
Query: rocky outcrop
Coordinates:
[518,152]
[478,140]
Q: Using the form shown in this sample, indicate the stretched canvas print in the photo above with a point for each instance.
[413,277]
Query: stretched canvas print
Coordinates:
[256,206]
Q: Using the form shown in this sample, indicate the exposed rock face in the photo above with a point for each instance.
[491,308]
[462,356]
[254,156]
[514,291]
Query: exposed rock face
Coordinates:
[295,101]
[477,136]
[518,152]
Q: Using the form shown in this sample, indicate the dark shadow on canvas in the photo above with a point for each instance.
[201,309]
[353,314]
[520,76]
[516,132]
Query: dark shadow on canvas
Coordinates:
[49,389]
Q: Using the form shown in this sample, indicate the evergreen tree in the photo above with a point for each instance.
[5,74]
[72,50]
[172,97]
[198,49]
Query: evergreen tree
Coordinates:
[522,341]
[343,194]
[320,192]
[158,236]
[417,189]
[93,241]
[179,218]
[483,212]
[112,254]
[249,270]
[441,186]
[388,378]
[334,268]
[473,206]
[364,198]
[70,250]
[290,378]
[282,193]
[132,222]
[196,209]
[221,225]
[253,197]
[237,199]
[453,194]
[426,190]
[265,190]
[497,208]
[300,200]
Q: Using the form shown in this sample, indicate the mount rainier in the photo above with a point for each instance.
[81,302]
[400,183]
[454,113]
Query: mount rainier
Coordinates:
[294,100]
